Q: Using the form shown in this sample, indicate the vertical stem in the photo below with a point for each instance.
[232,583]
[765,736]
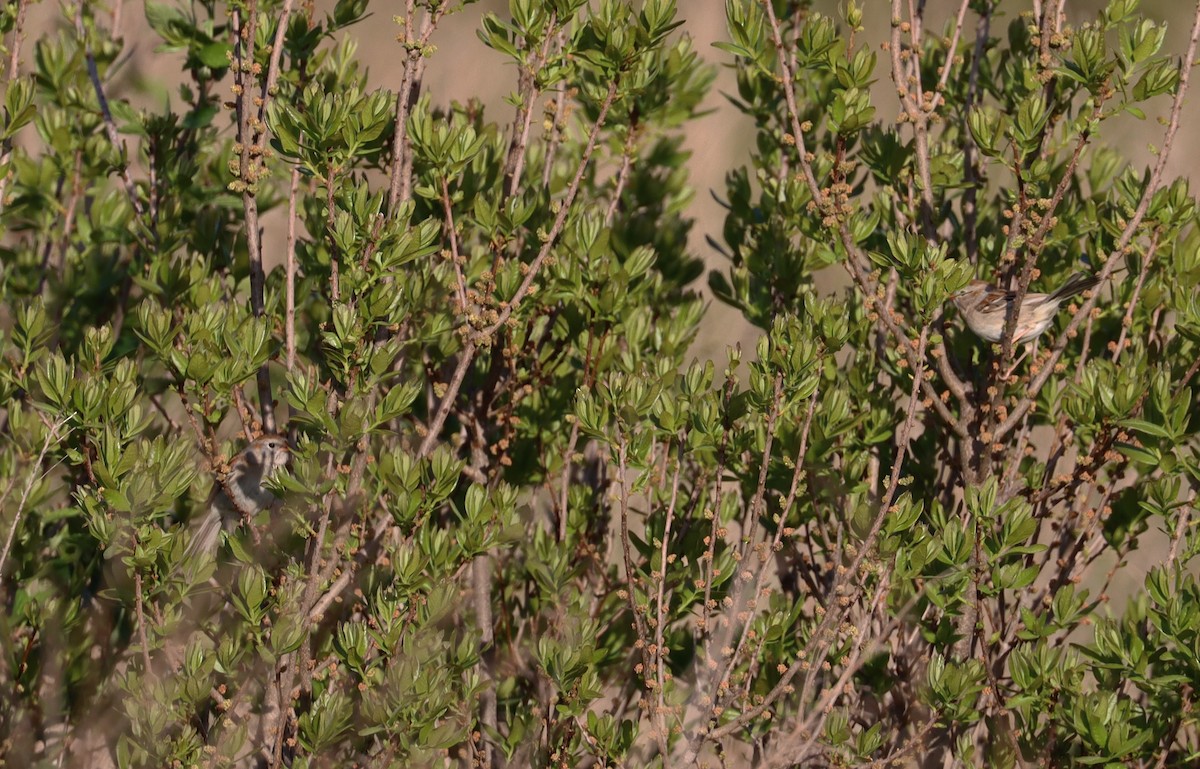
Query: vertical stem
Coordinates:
[14,61]
[110,125]
[460,283]
[334,279]
[660,615]
[481,579]
[1127,320]
[515,164]
[1181,525]
[289,329]
[400,187]
[141,620]
[250,167]
[14,55]
[276,54]
[555,136]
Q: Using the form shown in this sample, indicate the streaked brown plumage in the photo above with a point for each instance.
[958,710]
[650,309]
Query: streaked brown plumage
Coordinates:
[242,494]
[984,307]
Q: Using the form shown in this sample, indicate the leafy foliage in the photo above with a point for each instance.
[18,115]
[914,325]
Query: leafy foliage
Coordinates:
[521,525]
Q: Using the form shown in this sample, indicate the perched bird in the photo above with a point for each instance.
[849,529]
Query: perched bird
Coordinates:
[242,493]
[985,307]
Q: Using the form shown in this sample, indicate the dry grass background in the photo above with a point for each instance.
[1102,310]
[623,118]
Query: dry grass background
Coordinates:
[719,141]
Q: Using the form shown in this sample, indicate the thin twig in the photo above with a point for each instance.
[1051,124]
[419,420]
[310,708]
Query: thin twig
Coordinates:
[139,600]
[784,684]
[814,723]
[434,429]
[470,347]
[528,91]
[970,212]
[555,136]
[317,544]
[709,556]
[1127,321]
[64,245]
[268,89]
[718,682]
[51,437]
[1180,528]
[914,742]
[565,484]
[110,125]
[627,155]
[938,94]
[14,54]
[481,589]
[460,283]
[156,401]
[798,474]
[914,109]
[289,320]
[400,184]
[405,98]
[660,614]
[14,63]
[631,592]
[335,281]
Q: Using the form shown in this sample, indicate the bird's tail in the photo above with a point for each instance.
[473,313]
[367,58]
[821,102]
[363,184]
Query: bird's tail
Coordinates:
[205,538]
[1076,284]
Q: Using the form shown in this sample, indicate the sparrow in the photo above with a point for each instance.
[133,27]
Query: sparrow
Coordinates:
[985,307]
[242,493]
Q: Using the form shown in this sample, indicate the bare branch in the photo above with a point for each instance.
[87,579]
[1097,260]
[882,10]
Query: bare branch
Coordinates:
[289,320]
[250,136]
[529,92]
[400,186]
[1127,321]
[139,604]
[1181,525]
[434,429]
[268,89]
[631,589]
[452,235]
[944,78]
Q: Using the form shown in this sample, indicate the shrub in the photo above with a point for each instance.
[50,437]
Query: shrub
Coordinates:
[521,524]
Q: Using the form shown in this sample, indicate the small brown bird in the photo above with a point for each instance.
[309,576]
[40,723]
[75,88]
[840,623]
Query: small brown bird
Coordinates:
[242,494]
[985,307]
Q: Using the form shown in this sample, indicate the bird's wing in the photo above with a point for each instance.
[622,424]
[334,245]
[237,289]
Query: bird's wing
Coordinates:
[996,299]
